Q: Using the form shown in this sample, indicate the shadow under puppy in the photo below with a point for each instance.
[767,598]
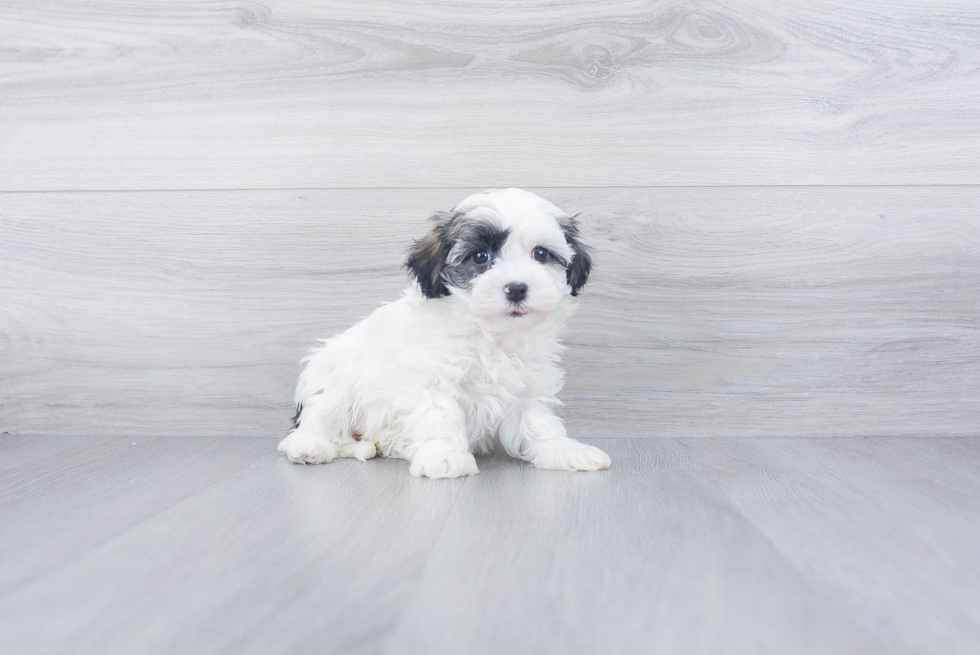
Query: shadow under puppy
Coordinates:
[468,355]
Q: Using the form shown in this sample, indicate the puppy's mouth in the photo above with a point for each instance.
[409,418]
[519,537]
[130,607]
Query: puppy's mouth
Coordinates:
[517,312]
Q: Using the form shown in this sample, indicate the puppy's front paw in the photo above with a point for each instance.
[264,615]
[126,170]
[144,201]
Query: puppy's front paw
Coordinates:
[435,459]
[307,448]
[569,455]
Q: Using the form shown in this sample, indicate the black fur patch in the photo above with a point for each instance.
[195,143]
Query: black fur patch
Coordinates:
[428,256]
[444,257]
[577,273]
[473,236]
[299,410]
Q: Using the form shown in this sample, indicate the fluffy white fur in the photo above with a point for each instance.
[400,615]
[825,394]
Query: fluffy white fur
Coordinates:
[435,379]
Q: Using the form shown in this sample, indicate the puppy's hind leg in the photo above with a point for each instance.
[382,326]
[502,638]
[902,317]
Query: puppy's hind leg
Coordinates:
[306,446]
[324,432]
[359,450]
[310,441]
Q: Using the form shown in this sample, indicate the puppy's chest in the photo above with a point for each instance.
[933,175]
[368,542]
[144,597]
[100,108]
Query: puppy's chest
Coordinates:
[495,376]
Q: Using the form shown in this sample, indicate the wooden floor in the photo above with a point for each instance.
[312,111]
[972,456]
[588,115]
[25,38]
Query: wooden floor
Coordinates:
[779,346]
[737,545]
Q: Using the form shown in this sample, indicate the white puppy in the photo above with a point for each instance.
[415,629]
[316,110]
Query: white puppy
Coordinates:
[467,355]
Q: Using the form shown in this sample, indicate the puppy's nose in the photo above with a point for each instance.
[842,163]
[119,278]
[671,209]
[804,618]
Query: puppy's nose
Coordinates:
[516,291]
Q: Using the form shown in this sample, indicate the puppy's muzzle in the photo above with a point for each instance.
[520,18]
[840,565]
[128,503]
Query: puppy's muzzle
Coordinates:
[516,292]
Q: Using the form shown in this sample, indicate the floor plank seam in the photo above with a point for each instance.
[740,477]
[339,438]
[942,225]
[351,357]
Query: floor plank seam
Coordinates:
[38,470]
[723,496]
[113,537]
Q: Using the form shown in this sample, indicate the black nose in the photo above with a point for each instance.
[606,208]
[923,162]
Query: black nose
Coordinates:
[516,291]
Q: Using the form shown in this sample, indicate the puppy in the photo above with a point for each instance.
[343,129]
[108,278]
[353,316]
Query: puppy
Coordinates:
[468,355]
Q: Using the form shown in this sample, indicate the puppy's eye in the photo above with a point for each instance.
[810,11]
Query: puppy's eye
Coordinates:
[481,257]
[540,254]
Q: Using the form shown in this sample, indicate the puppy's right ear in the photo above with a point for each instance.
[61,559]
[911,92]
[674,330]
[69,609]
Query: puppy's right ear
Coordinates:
[578,271]
[428,257]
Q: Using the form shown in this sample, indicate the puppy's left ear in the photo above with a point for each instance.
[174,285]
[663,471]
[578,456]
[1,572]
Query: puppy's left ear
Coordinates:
[428,257]
[578,271]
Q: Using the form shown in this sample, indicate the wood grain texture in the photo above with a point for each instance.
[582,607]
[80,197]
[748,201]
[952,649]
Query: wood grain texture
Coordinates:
[276,558]
[711,312]
[16,451]
[888,528]
[53,509]
[141,95]
[684,546]
[640,559]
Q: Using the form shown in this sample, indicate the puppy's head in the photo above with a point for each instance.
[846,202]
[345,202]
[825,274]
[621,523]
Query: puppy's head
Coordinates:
[510,256]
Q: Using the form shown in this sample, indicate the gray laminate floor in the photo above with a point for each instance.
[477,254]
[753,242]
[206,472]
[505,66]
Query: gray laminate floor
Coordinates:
[735,545]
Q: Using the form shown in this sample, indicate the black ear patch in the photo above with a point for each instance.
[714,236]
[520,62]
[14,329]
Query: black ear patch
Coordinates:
[578,271]
[428,256]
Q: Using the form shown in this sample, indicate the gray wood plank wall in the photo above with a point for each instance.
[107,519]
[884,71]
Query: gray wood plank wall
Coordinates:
[784,199]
